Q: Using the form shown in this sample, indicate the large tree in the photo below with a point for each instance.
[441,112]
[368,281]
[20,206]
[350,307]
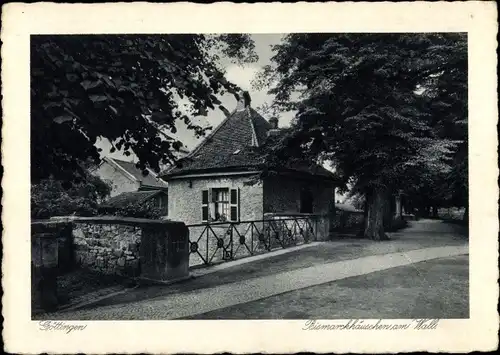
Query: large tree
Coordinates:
[369,103]
[125,88]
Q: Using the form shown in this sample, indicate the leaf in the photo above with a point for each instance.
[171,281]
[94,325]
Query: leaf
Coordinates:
[202,111]
[88,84]
[177,145]
[71,77]
[115,111]
[62,119]
[97,98]
[50,105]
[108,81]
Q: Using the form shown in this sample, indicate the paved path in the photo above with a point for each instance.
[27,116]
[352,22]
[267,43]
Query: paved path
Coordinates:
[209,299]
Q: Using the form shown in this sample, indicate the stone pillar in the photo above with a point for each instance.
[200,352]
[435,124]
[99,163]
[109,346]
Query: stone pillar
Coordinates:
[399,212]
[164,252]
[45,243]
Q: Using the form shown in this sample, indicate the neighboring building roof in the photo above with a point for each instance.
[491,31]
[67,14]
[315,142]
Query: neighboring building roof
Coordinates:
[148,181]
[233,146]
[134,197]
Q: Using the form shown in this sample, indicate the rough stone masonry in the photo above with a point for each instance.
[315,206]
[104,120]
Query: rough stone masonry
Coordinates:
[108,248]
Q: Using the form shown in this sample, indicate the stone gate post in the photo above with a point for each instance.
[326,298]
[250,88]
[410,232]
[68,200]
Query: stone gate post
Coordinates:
[164,252]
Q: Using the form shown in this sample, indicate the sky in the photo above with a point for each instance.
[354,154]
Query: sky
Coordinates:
[240,75]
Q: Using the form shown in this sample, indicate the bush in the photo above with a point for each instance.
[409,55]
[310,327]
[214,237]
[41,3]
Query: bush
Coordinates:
[356,200]
[51,197]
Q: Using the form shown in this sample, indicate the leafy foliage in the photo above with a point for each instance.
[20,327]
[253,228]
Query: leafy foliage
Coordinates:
[356,200]
[125,88]
[387,109]
[51,197]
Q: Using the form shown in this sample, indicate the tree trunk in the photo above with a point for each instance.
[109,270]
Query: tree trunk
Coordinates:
[331,218]
[425,211]
[435,212]
[377,207]
[389,207]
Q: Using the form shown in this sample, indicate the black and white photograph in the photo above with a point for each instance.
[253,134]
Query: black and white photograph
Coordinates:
[309,175]
[240,176]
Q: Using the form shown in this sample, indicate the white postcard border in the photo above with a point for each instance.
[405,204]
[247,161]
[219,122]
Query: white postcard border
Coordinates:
[478,19]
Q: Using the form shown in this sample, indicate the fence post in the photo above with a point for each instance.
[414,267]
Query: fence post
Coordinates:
[269,238]
[251,237]
[231,241]
[207,253]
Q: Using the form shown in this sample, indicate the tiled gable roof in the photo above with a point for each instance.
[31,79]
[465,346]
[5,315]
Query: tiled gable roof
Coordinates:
[227,145]
[233,146]
[149,180]
[127,198]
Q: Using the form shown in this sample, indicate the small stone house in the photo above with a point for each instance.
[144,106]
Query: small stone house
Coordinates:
[124,176]
[220,179]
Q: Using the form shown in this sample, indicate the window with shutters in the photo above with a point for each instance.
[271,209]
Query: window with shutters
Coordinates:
[220,205]
[204,206]
[234,200]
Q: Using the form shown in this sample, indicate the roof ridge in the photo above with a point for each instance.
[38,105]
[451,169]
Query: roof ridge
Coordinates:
[130,169]
[255,115]
[116,159]
[254,133]
[207,138]
[127,173]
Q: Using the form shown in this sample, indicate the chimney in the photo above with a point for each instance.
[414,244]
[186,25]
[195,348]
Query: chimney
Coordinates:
[244,100]
[274,131]
[274,122]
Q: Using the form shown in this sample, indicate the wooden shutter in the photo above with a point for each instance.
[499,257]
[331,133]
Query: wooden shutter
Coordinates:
[204,205]
[234,201]
[212,197]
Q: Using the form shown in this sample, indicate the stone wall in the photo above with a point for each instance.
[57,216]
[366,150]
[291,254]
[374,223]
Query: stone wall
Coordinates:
[152,250]
[282,195]
[107,248]
[112,245]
